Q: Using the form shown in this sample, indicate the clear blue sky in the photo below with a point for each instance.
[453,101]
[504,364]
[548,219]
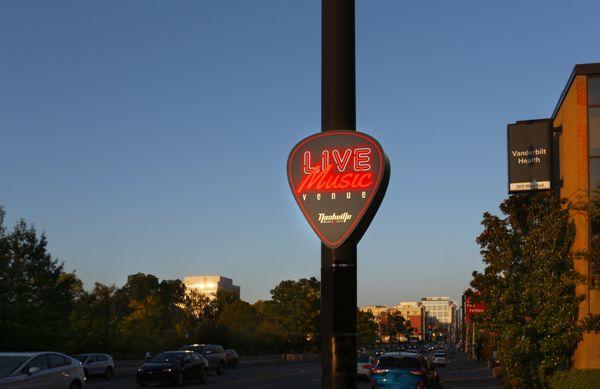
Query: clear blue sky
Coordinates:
[152,136]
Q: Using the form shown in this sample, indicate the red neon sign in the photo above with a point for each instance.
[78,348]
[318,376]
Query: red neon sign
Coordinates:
[337,177]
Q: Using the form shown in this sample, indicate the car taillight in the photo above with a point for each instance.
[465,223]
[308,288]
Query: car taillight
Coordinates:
[416,372]
[378,371]
[366,366]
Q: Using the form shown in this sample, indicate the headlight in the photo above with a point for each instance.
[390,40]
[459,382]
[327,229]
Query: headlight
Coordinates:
[168,370]
[140,370]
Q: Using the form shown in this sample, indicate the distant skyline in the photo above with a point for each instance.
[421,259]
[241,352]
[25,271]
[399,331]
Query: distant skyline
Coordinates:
[150,136]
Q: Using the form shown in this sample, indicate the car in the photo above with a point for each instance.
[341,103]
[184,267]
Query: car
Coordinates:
[232,358]
[97,365]
[439,358]
[403,370]
[173,367]
[214,354]
[364,364]
[40,370]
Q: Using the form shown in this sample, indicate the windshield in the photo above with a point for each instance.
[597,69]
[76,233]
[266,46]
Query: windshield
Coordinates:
[198,349]
[8,364]
[81,357]
[167,358]
[398,363]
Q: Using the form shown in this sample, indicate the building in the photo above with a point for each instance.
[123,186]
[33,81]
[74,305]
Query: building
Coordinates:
[416,313]
[374,309]
[576,122]
[439,310]
[210,285]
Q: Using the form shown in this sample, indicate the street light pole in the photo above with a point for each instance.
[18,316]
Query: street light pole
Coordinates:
[338,266]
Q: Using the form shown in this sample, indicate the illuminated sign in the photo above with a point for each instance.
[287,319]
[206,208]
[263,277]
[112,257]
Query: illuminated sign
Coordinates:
[338,179]
[472,309]
[529,156]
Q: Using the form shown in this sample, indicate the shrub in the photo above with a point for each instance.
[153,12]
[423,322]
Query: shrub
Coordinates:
[576,379]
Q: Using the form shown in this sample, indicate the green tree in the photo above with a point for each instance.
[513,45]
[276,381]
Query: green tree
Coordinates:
[36,294]
[295,310]
[366,327]
[94,320]
[391,323]
[528,287]
[240,316]
[198,306]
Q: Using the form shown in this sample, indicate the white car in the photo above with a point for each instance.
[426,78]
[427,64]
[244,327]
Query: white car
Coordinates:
[364,364]
[439,358]
[40,370]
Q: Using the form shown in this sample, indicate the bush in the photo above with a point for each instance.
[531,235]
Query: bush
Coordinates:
[576,379]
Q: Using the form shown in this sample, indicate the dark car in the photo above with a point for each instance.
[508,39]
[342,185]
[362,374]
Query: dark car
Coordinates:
[173,367]
[232,358]
[214,354]
[97,365]
[404,370]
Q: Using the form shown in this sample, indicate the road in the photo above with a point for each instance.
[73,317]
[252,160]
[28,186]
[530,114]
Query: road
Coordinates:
[296,375]
[460,373]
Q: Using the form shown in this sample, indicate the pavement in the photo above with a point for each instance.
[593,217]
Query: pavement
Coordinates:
[461,372]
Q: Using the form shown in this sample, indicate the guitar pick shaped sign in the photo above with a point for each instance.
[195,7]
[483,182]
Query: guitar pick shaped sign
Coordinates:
[338,179]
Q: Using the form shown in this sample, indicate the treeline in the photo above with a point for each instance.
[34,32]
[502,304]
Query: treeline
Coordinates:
[44,307]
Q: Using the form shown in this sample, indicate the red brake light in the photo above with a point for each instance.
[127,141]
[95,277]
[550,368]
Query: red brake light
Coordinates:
[416,372]
[366,366]
[378,371]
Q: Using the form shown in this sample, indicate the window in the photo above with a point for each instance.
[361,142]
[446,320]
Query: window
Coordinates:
[58,360]
[594,90]
[398,362]
[594,178]
[41,362]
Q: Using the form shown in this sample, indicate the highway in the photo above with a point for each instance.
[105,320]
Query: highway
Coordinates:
[461,373]
[296,375]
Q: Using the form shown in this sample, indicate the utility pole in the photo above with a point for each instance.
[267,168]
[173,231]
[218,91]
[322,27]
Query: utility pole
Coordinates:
[338,266]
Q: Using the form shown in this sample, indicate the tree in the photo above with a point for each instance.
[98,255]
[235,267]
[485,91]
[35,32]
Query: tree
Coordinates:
[295,310]
[366,327]
[197,305]
[94,320]
[391,324]
[36,294]
[240,316]
[528,287]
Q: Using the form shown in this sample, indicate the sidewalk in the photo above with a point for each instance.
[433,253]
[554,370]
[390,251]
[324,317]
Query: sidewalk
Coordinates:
[463,372]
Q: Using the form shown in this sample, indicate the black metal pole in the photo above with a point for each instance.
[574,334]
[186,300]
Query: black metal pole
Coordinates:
[338,266]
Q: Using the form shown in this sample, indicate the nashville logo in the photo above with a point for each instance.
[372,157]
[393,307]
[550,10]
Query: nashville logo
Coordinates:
[334,218]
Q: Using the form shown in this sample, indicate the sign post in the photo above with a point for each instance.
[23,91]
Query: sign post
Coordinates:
[338,178]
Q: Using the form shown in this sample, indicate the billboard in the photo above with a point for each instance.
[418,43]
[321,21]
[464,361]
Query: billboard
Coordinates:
[338,179]
[529,156]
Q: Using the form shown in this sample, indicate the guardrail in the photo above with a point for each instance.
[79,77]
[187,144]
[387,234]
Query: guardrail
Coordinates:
[129,367]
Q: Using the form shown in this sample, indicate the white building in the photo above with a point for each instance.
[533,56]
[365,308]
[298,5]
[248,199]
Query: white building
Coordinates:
[439,309]
[210,285]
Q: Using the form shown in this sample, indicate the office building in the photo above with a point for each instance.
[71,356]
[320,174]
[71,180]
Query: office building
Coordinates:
[210,285]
